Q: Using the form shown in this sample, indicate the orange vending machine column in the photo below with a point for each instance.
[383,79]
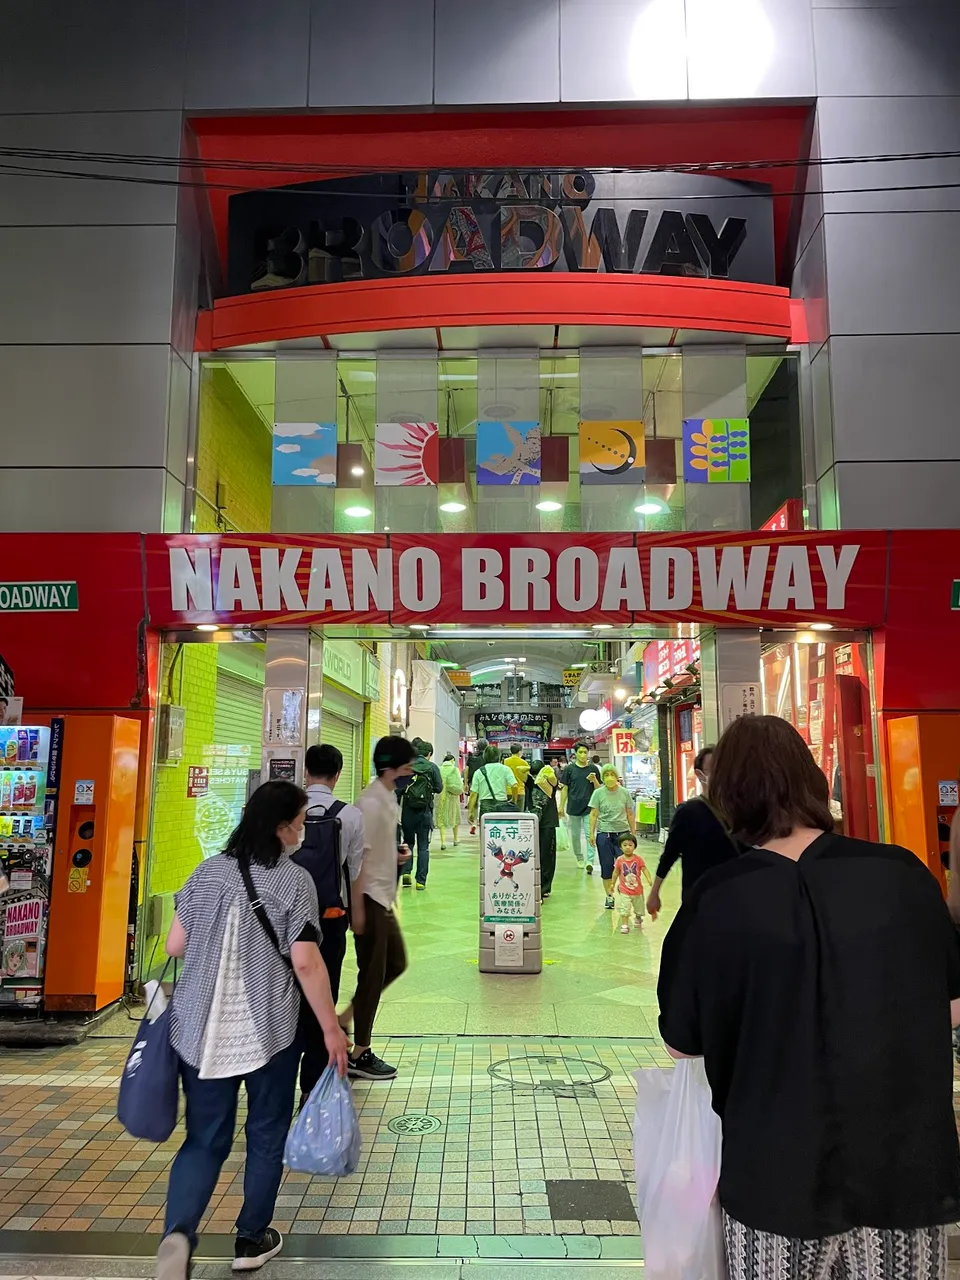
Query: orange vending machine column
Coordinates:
[93,855]
[924,764]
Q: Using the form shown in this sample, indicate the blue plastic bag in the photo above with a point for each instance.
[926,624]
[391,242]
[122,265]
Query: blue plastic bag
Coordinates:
[325,1138]
[150,1084]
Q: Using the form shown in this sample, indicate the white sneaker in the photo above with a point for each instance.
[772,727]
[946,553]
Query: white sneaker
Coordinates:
[173,1257]
[624,928]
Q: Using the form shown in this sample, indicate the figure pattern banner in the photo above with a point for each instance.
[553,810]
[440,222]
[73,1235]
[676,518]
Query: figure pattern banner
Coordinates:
[508,453]
[509,845]
[716,450]
[304,453]
[406,453]
[612,453]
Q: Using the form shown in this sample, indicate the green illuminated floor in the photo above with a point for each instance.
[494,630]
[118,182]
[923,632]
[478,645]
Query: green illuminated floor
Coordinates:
[595,981]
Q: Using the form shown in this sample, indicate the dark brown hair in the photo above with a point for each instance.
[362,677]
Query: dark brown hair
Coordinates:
[765,782]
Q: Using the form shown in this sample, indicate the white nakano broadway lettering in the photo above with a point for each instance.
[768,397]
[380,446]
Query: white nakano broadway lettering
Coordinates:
[532,580]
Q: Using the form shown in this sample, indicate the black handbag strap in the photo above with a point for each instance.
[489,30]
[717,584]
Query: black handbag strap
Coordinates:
[171,960]
[487,781]
[260,911]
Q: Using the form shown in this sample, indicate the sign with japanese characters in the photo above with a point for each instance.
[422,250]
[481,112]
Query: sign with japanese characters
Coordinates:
[509,846]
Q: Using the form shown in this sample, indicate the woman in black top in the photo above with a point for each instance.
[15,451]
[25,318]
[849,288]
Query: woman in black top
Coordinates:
[543,802]
[818,976]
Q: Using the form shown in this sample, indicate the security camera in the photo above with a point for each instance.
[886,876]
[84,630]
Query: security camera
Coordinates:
[491,643]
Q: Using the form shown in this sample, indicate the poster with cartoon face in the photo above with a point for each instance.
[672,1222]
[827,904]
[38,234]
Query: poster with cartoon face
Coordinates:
[509,846]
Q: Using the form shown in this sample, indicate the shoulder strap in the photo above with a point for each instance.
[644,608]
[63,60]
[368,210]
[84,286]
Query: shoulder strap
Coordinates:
[487,781]
[260,911]
[330,811]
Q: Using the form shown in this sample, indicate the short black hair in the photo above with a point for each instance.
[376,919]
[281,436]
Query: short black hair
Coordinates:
[700,758]
[516,746]
[424,748]
[627,835]
[392,753]
[323,761]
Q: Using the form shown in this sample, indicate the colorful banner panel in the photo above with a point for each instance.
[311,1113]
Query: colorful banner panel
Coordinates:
[508,453]
[529,730]
[716,450]
[406,453]
[612,453]
[304,453]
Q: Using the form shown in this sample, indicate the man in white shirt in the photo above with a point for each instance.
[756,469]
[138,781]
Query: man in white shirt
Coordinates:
[381,955]
[326,844]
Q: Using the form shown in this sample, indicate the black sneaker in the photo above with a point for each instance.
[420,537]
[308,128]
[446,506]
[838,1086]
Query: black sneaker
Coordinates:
[407,881]
[610,904]
[589,868]
[252,1254]
[369,1067]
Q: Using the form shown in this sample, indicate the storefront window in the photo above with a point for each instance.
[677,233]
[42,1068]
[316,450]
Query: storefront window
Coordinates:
[518,440]
[823,688]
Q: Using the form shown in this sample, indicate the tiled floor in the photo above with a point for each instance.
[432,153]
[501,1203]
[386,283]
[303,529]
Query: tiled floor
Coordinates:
[547,1097]
[549,1109]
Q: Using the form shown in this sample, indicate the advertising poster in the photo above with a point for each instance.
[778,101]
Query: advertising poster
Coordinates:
[227,768]
[531,730]
[509,869]
[26,809]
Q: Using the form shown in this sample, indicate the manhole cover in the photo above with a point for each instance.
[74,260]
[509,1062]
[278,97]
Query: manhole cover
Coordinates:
[566,1077]
[414,1126]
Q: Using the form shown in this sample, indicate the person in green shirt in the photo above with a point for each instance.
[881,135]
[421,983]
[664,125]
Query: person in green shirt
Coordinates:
[611,815]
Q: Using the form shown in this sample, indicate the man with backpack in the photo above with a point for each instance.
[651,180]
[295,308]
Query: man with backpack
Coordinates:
[332,852]
[416,812]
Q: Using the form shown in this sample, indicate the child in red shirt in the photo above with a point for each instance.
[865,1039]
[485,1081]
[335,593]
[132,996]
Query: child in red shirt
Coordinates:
[629,871]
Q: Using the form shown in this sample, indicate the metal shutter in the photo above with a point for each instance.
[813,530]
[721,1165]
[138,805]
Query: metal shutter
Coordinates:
[239,714]
[343,735]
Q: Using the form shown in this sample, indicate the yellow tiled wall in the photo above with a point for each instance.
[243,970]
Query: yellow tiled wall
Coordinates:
[233,451]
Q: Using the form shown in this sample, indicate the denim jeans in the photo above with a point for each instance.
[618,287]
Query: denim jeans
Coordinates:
[417,825]
[211,1119]
[580,835]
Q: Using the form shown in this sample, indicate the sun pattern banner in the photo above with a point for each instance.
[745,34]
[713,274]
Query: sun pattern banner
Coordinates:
[716,450]
[508,453]
[304,453]
[612,453]
[406,453]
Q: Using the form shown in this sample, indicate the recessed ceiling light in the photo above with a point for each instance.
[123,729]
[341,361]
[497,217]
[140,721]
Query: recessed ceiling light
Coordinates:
[453,508]
[521,659]
[549,505]
[207,626]
[821,626]
[356,513]
[650,508]
[620,693]
[357,471]
[603,626]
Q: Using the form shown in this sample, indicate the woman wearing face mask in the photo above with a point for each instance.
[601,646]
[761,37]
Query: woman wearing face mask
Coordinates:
[247,928]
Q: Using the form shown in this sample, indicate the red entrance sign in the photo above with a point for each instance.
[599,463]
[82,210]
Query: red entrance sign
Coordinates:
[623,744]
[523,579]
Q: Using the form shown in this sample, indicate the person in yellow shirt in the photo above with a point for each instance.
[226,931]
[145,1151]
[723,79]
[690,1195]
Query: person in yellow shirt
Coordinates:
[521,769]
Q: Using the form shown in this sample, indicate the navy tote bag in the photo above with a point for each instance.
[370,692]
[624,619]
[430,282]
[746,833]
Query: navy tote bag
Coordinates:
[150,1084]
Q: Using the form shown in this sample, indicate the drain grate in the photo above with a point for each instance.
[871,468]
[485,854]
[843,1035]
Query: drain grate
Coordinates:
[414,1126]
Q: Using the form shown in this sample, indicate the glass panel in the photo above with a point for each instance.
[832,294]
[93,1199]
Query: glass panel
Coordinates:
[240,400]
[306,392]
[407,392]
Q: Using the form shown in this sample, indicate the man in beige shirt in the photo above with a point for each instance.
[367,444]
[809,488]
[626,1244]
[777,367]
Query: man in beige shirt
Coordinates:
[381,955]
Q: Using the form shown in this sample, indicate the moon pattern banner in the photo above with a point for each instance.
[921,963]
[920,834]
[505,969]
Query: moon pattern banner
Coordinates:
[612,453]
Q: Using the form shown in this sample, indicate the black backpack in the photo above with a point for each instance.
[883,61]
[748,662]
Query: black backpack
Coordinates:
[320,855]
[419,792]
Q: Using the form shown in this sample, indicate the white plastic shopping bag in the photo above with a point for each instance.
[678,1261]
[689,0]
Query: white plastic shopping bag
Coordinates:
[676,1146]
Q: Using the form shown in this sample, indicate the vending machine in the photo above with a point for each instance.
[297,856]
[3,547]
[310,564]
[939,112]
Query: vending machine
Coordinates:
[68,793]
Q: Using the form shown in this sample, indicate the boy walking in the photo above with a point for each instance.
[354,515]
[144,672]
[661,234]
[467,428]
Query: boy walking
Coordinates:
[629,872]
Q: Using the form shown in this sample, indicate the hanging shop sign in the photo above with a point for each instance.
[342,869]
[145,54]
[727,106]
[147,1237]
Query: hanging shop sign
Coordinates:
[531,730]
[384,226]
[460,679]
[524,579]
[571,677]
